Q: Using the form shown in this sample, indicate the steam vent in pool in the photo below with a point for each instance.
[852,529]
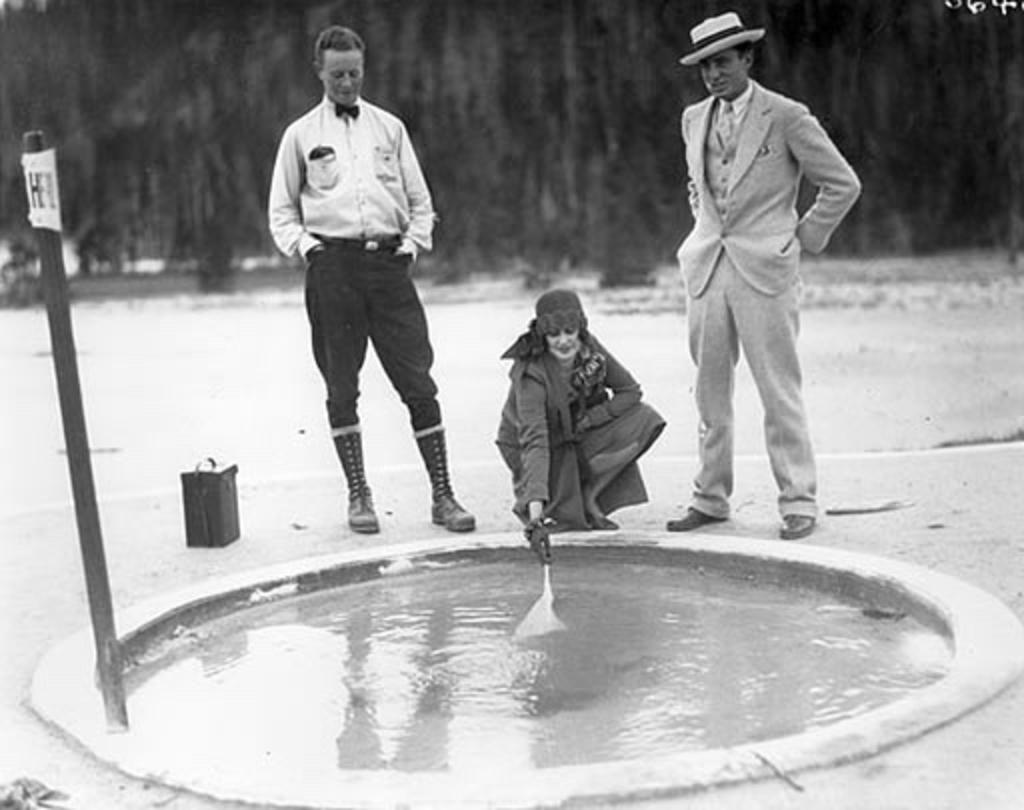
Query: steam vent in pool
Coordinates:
[420,675]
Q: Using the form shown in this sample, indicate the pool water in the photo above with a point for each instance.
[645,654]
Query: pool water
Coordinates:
[422,670]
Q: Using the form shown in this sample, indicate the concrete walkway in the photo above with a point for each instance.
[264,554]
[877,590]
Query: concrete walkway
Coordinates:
[964,516]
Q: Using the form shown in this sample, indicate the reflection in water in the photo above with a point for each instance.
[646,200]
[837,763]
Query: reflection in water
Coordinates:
[422,671]
[214,709]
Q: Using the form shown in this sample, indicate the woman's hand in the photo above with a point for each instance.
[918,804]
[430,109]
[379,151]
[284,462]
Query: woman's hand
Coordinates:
[538,533]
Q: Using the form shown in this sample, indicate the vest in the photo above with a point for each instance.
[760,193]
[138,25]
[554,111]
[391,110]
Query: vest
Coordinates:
[718,161]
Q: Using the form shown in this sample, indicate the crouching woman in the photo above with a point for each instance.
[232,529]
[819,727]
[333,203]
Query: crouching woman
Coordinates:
[573,424]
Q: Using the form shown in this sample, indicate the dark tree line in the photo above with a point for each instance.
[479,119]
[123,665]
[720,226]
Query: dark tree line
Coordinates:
[548,129]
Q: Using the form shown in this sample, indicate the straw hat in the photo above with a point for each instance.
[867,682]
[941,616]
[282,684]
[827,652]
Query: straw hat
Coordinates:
[717,34]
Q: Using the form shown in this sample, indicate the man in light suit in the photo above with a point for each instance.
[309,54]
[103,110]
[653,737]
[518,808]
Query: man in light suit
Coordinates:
[747,149]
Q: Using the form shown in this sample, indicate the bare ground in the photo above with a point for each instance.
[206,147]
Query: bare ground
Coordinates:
[898,356]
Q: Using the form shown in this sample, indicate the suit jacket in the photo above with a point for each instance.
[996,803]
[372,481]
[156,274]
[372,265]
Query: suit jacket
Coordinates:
[779,142]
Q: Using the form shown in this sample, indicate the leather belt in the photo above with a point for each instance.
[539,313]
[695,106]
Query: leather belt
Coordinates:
[374,244]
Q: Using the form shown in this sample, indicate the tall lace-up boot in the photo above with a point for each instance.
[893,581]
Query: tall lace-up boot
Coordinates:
[361,517]
[445,510]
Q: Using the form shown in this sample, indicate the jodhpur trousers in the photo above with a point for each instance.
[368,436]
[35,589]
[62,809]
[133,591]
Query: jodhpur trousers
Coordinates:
[354,297]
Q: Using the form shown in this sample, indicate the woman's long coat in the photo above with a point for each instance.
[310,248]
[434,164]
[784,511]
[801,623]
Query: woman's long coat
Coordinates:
[539,443]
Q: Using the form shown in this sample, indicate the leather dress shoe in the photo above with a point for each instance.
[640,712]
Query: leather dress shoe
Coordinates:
[693,519]
[796,527]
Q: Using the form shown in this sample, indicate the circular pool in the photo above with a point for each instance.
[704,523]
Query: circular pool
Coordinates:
[397,676]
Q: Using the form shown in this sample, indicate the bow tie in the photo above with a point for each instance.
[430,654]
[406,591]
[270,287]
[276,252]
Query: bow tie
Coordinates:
[344,109]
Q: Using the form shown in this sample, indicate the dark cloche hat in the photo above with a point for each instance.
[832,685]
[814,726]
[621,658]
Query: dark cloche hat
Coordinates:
[559,309]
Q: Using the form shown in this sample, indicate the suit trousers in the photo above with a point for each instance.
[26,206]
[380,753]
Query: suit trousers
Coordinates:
[354,297]
[730,316]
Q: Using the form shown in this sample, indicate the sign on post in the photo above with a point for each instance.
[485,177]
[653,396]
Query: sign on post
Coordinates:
[41,187]
[44,213]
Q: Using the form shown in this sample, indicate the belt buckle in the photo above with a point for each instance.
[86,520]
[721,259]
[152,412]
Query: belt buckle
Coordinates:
[371,244]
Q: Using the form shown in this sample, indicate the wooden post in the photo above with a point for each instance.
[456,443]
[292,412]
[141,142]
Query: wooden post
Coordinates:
[44,208]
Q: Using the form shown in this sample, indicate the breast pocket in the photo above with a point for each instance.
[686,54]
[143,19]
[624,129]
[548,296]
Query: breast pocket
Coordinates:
[770,154]
[322,169]
[385,164]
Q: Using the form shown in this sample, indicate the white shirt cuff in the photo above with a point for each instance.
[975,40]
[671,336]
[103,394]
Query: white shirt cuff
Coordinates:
[408,246]
[306,242]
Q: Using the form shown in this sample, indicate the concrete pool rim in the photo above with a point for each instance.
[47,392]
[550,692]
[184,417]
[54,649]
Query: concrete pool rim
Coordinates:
[987,637]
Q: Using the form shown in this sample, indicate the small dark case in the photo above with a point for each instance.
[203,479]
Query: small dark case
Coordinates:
[210,498]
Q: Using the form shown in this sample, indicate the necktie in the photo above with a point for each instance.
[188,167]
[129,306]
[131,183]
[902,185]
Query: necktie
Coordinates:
[352,111]
[726,122]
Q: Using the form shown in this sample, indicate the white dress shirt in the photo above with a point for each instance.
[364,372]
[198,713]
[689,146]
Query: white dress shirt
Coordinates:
[368,183]
[739,106]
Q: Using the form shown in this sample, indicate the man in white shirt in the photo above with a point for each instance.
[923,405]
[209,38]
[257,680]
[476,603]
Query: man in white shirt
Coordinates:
[348,195]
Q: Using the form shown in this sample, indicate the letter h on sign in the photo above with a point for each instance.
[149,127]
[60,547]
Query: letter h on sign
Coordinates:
[40,190]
